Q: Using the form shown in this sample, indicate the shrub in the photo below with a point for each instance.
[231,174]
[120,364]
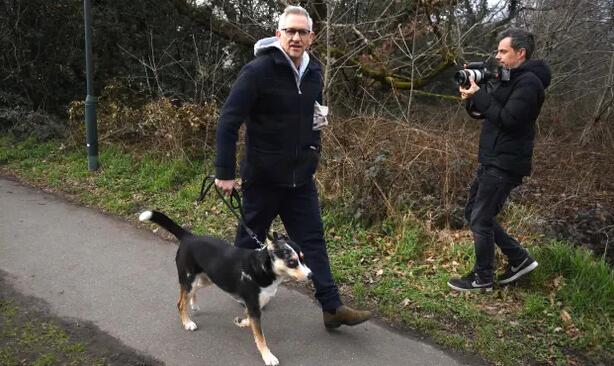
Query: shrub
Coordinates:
[169,125]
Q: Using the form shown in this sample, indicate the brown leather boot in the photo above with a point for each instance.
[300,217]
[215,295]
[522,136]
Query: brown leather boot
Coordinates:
[345,315]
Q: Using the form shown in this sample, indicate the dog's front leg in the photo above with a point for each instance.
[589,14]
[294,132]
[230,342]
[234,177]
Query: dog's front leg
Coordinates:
[254,321]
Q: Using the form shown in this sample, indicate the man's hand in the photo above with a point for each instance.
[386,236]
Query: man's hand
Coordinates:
[226,185]
[468,93]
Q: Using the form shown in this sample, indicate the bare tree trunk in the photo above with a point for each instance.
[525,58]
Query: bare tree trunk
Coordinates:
[413,62]
[326,93]
[603,107]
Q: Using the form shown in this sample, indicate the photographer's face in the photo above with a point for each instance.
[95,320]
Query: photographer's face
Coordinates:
[509,57]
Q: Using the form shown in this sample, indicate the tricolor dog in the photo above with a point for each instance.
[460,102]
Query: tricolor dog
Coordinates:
[250,276]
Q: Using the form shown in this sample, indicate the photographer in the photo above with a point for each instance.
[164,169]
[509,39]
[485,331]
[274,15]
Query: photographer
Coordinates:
[505,153]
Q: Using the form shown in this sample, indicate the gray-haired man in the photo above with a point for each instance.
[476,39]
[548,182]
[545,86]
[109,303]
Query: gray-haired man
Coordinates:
[274,96]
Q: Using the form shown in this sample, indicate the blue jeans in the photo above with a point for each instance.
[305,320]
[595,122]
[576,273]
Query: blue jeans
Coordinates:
[299,211]
[487,195]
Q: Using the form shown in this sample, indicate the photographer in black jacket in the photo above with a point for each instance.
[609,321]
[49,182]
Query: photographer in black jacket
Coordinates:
[505,154]
[276,95]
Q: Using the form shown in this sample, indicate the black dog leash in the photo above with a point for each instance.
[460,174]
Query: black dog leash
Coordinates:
[234,204]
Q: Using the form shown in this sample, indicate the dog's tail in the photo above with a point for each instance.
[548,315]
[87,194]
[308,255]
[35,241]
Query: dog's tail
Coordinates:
[164,221]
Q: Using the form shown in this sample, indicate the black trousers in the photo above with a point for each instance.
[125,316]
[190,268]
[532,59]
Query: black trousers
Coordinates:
[487,195]
[299,211]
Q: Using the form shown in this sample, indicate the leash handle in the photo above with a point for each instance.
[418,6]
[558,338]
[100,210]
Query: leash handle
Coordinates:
[234,204]
[203,190]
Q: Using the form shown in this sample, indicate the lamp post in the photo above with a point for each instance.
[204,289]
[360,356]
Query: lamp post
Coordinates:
[90,101]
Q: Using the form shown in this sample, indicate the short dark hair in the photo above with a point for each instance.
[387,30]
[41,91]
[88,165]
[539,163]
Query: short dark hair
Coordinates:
[520,39]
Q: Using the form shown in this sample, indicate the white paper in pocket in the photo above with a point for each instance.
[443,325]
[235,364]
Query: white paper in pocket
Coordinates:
[319,116]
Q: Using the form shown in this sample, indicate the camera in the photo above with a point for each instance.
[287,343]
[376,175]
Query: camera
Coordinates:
[478,70]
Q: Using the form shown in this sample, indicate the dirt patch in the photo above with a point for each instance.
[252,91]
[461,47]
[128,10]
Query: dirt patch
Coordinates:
[26,320]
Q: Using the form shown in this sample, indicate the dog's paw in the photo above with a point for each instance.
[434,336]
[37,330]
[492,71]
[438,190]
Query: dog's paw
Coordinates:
[270,359]
[194,307]
[241,322]
[190,326]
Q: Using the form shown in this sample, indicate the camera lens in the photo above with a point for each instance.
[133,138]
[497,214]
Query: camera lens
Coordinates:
[477,76]
[461,77]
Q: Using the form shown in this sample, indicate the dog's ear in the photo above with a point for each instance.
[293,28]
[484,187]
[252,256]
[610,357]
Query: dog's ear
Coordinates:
[275,236]
[271,244]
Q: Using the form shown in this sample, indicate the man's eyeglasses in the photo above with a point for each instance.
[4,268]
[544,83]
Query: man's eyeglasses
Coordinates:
[290,32]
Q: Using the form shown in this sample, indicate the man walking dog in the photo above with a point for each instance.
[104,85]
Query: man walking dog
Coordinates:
[275,96]
[505,155]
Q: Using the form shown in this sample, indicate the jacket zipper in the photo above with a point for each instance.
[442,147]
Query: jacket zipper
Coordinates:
[298,136]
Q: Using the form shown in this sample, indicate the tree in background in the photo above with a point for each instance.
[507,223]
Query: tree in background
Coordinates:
[379,56]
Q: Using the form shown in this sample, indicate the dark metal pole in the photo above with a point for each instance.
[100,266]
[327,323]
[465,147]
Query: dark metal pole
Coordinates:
[90,101]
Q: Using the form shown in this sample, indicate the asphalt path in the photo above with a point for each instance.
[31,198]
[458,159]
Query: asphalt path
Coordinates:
[122,278]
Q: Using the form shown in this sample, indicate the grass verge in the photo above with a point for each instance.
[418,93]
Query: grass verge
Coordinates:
[37,341]
[561,314]
[31,335]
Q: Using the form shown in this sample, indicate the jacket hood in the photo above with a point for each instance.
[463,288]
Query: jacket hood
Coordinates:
[271,43]
[539,68]
[266,44]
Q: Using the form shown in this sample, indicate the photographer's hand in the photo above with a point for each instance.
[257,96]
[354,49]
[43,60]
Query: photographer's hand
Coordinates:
[468,93]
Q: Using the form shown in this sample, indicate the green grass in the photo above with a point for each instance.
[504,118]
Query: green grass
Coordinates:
[589,281]
[37,342]
[415,293]
[562,313]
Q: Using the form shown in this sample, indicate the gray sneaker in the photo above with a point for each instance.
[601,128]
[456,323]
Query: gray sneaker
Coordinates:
[515,272]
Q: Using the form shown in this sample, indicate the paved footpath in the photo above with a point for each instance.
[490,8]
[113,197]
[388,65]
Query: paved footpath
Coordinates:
[90,266]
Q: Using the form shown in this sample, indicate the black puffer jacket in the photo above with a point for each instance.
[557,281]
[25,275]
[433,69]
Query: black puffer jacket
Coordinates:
[281,147]
[510,112]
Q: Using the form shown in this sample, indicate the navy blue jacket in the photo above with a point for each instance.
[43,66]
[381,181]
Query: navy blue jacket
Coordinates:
[510,112]
[281,147]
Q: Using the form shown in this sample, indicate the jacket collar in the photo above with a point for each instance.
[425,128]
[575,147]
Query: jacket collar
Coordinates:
[537,67]
[282,59]
[271,44]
